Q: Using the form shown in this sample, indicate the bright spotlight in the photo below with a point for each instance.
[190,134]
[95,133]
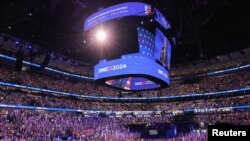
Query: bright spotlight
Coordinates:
[101,35]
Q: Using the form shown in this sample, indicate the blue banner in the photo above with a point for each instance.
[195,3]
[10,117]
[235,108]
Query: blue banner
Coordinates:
[116,11]
[133,65]
[122,10]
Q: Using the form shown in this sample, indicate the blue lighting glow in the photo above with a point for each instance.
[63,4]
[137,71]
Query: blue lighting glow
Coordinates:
[201,110]
[116,98]
[85,77]
[228,70]
[47,68]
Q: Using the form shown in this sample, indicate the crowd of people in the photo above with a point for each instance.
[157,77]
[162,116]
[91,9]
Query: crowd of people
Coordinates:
[88,87]
[46,125]
[43,125]
[21,124]
[34,99]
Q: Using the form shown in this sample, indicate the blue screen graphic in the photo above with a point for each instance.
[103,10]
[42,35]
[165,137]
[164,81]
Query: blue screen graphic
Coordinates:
[156,46]
[132,65]
[116,11]
[122,10]
[146,42]
[132,83]
[161,19]
[162,50]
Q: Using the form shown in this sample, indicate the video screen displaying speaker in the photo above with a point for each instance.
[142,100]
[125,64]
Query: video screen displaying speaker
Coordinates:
[162,51]
[144,67]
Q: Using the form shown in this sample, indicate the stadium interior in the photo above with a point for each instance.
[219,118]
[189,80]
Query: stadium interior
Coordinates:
[50,67]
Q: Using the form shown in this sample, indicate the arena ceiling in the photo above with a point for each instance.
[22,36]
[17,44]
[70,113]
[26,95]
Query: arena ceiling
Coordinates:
[203,28]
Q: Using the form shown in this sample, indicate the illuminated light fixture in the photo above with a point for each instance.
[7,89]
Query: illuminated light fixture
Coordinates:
[29,46]
[101,35]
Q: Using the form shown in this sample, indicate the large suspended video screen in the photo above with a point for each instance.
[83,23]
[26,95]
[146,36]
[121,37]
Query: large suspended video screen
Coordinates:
[147,69]
[156,45]
[144,70]
[132,72]
[147,65]
[125,9]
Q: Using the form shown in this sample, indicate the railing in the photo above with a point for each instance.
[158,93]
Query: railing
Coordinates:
[150,113]
[122,99]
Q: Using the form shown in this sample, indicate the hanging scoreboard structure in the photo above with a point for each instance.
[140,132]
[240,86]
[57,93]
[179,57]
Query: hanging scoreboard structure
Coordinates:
[143,70]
